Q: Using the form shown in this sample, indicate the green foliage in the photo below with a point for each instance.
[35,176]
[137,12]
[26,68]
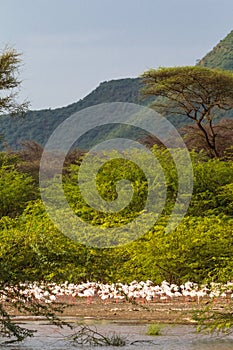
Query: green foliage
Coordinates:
[154,329]
[8,159]
[225,199]
[211,320]
[200,249]
[212,187]
[9,66]
[198,93]
[107,178]
[33,249]
[16,189]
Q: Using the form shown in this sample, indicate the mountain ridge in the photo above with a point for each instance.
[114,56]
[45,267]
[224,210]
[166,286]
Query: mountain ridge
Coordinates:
[39,125]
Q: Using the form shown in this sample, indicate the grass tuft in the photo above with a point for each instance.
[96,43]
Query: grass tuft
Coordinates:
[154,329]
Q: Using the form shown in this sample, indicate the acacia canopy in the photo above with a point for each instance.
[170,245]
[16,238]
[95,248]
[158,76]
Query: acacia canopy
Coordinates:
[9,83]
[195,92]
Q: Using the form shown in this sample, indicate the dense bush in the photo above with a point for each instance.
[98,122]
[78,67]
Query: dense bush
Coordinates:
[16,190]
[200,249]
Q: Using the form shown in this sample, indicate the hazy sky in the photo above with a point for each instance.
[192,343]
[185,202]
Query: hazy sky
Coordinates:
[70,46]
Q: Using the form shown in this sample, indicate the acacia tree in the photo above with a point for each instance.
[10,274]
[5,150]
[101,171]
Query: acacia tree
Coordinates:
[11,288]
[197,93]
[195,139]
[9,83]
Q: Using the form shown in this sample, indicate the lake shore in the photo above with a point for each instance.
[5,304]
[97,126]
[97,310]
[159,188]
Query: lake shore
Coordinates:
[169,312]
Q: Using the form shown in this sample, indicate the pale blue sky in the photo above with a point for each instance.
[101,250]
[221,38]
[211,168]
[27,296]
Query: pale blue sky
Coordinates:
[70,46]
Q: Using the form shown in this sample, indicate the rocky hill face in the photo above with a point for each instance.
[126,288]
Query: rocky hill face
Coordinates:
[221,56]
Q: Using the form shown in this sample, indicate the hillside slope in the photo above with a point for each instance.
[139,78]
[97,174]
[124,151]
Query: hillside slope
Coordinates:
[38,125]
[221,56]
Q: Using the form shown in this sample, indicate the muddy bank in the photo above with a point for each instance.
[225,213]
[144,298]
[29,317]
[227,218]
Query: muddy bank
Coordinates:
[176,313]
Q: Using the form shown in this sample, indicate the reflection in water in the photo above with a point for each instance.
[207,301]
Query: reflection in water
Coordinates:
[180,337]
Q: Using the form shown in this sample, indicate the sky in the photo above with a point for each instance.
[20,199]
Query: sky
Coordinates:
[70,46]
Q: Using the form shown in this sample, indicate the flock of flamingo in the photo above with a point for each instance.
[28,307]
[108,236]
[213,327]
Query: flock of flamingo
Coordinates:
[141,292]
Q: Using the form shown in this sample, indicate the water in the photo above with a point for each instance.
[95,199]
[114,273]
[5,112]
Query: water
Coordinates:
[178,337]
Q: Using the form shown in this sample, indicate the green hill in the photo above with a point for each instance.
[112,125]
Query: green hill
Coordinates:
[221,56]
[38,125]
